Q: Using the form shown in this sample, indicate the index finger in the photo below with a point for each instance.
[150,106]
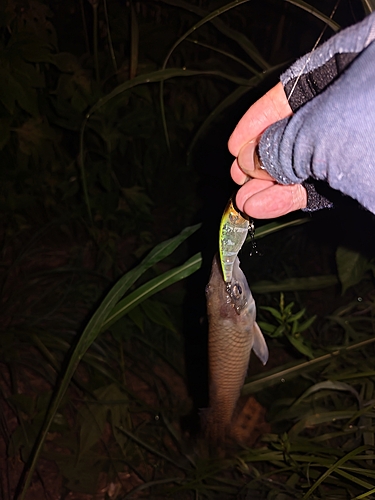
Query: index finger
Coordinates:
[270,108]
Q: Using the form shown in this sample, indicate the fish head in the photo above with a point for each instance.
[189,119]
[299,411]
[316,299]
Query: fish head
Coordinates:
[231,308]
[239,290]
[227,298]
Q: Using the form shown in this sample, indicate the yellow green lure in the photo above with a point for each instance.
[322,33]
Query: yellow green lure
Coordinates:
[233,231]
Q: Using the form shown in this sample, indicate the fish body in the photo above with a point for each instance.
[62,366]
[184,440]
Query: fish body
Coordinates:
[233,333]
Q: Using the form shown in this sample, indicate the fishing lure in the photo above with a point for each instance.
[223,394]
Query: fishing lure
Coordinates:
[234,228]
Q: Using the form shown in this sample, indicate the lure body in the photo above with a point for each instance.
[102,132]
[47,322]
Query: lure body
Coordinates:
[233,231]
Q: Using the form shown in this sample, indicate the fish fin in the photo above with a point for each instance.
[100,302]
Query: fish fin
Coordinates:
[260,347]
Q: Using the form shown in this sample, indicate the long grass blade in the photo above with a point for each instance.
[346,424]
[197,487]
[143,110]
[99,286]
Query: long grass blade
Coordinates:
[161,75]
[225,104]
[247,46]
[278,376]
[95,29]
[354,479]
[109,37]
[316,419]
[295,284]
[273,227]
[365,495]
[149,448]
[212,17]
[92,330]
[150,484]
[134,41]
[333,468]
[369,6]
[227,54]
[151,287]
[327,385]
[315,12]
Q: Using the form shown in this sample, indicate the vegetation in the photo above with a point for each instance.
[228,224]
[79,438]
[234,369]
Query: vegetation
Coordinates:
[113,121]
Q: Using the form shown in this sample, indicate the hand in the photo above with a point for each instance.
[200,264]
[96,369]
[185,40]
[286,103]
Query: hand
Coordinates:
[262,197]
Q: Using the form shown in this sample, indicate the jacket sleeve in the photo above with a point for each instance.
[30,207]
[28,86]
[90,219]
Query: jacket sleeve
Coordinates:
[331,136]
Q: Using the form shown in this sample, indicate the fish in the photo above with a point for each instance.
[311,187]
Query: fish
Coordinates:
[232,334]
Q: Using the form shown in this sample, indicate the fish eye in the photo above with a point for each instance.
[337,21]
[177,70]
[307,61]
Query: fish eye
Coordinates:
[236,291]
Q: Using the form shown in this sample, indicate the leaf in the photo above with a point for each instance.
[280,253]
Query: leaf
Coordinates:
[369,6]
[65,62]
[351,267]
[135,197]
[365,495]
[23,403]
[30,47]
[354,479]
[81,476]
[213,17]
[13,90]
[306,324]
[95,327]
[294,284]
[330,385]
[321,417]
[92,420]
[94,416]
[299,343]
[151,287]
[159,76]
[332,469]
[273,227]
[134,41]
[275,313]
[309,8]
[290,371]
[296,316]
[137,317]
[266,327]
[21,439]
[157,313]
[224,104]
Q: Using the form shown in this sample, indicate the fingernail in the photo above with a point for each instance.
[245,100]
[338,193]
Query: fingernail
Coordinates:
[246,157]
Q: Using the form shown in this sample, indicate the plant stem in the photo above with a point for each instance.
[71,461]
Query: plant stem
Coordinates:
[95,40]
